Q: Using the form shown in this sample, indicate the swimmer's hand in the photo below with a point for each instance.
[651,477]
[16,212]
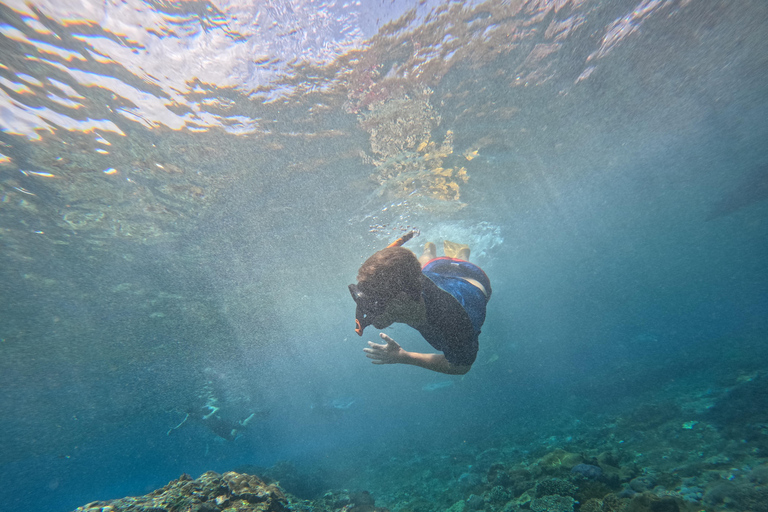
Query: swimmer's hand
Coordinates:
[389,353]
[392,353]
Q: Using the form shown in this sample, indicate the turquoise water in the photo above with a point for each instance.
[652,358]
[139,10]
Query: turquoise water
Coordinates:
[187,189]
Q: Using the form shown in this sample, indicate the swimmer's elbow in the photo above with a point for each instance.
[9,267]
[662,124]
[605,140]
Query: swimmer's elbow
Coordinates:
[461,370]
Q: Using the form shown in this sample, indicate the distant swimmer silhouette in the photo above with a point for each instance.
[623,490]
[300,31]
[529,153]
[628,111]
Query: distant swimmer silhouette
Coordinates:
[219,416]
[443,298]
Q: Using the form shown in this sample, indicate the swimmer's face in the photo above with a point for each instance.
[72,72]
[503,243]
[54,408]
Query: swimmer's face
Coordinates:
[401,309]
[383,321]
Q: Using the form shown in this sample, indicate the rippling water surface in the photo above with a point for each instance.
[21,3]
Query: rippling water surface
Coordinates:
[187,187]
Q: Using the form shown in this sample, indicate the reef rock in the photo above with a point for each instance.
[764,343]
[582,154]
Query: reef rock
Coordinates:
[555,486]
[211,492]
[555,462]
[587,471]
[554,503]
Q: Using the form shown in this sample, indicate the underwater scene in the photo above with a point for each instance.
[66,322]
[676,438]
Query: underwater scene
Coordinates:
[191,190]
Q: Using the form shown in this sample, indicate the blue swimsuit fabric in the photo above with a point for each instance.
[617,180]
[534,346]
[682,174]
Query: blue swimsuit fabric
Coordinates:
[448,274]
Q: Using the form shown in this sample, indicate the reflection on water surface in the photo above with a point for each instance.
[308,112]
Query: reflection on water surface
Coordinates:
[128,120]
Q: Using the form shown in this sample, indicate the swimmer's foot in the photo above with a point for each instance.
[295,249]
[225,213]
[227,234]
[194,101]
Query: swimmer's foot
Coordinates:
[457,251]
[430,253]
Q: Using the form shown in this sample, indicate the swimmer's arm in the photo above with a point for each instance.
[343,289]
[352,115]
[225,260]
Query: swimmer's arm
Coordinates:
[435,362]
[393,353]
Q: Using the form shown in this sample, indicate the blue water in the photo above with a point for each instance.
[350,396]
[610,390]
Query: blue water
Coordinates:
[186,191]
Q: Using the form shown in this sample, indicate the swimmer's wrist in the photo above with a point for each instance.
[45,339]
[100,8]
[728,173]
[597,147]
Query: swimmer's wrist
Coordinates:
[405,357]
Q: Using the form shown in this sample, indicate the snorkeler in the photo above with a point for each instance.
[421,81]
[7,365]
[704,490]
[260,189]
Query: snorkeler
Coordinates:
[442,298]
[205,408]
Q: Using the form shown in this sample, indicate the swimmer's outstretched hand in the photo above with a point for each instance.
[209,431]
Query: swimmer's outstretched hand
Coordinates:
[389,353]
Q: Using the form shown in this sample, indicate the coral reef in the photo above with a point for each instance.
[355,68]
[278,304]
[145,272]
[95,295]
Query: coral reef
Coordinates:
[555,486]
[553,503]
[587,471]
[211,492]
[743,412]
[685,459]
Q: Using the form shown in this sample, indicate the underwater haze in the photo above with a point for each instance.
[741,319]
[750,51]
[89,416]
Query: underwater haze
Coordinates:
[187,189]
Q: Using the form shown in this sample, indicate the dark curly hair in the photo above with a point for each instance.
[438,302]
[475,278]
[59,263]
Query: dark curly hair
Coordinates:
[389,272]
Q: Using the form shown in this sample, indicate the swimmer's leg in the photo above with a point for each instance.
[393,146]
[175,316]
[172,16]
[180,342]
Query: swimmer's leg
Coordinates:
[430,253]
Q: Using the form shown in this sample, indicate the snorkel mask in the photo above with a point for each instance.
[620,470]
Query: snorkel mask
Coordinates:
[369,307]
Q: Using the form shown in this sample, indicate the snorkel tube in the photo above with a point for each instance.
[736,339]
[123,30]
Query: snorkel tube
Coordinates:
[400,241]
[363,317]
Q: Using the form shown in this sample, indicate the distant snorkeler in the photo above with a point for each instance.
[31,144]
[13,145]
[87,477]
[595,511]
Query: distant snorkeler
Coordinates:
[443,298]
[204,408]
[227,429]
